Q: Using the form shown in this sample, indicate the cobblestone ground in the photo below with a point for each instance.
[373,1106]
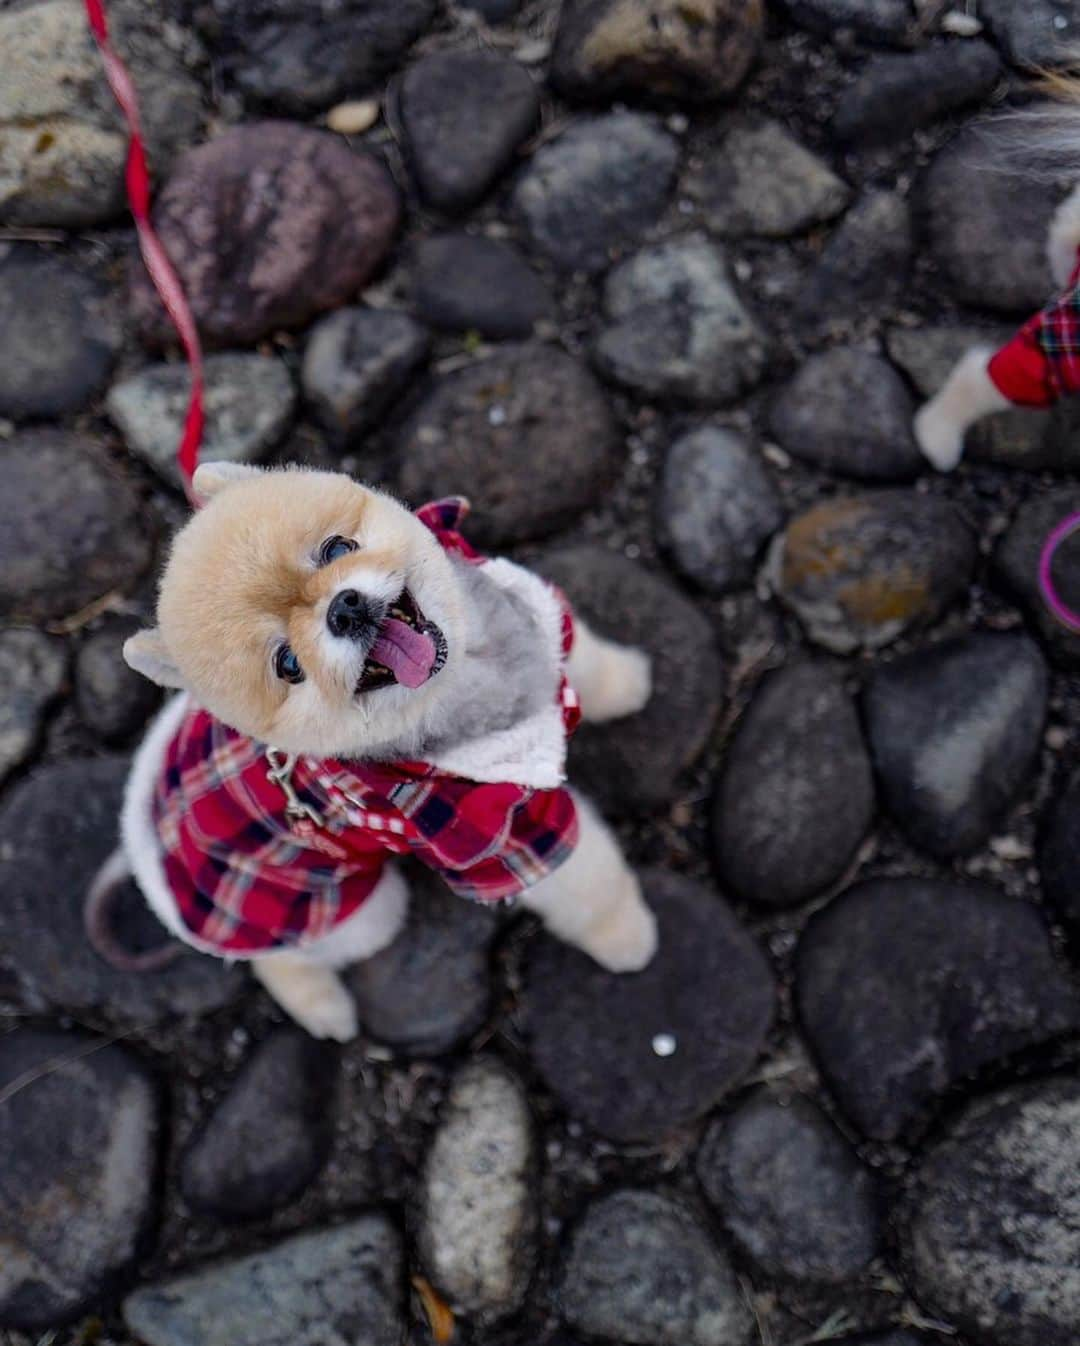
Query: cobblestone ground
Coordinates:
[658,283]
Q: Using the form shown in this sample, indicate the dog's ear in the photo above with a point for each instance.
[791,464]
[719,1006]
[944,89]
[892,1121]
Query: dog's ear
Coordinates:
[145,652]
[210,478]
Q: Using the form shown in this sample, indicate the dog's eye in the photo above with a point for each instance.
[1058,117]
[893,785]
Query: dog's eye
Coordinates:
[335,547]
[287,665]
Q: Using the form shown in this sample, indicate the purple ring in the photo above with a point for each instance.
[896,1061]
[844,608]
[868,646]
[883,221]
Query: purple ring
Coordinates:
[1066,615]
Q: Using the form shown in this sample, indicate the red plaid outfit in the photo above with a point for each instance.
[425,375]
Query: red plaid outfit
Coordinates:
[1042,362]
[247,878]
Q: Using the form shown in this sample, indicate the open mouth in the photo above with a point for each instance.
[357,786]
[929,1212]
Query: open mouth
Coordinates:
[408,650]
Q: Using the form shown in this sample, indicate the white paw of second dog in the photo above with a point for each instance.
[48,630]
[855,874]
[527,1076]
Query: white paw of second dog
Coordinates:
[627,687]
[626,940]
[939,437]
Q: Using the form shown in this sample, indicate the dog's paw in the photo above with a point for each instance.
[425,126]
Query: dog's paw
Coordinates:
[627,685]
[626,940]
[939,437]
[331,1014]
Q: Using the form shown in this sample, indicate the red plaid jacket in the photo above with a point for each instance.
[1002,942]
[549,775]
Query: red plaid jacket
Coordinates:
[248,878]
[1041,364]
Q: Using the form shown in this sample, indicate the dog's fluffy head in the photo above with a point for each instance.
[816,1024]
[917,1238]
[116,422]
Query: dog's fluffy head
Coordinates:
[304,610]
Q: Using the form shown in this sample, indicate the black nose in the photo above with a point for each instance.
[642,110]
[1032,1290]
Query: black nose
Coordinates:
[351,615]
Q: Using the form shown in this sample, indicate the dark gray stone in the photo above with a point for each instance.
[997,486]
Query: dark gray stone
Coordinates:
[58,335]
[886,22]
[464,115]
[295,220]
[790,1190]
[303,57]
[812,417]
[992,1218]
[859,571]
[954,734]
[63,140]
[717,508]
[430,990]
[643,1269]
[70,527]
[357,362]
[477,1204]
[595,189]
[113,701]
[676,327]
[526,434]
[762,182]
[79,1136]
[1059,856]
[462,282]
[905,987]
[605,49]
[267,1139]
[1016,565]
[709,988]
[494,11]
[342,1285]
[249,402]
[634,764]
[987,225]
[32,672]
[796,795]
[865,264]
[895,95]
[1035,35]
[56,829]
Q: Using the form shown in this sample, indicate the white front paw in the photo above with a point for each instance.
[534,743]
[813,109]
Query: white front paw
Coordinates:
[330,1014]
[628,685]
[939,437]
[626,940]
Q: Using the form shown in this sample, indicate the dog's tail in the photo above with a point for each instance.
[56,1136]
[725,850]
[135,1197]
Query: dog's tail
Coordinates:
[99,910]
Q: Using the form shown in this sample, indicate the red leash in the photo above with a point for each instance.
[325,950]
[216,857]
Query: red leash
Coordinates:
[161,270]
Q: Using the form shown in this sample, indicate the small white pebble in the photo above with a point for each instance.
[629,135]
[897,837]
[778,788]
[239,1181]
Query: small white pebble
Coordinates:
[1010,848]
[678,123]
[664,1044]
[961,25]
[532,53]
[1060,22]
[497,416]
[353,118]
[1056,737]
[742,268]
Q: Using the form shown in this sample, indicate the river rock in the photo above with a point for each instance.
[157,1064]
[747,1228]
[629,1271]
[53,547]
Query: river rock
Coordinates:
[954,733]
[859,571]
[1039,34]
[633,764]
[42,936]
[812,417]
[464,114]
[1059,855]
[270,1135]
[790,1190]
[762,182]
[357,362]
[526,434]
[625,48]
[477,1206]
[63,143]
[717,507]
[642,1268]
[797,794]
[249,402]
[463,283]
[70,527]
[676,327]
[865,264]
[708,990]
[992,1219]
[33,667]
[886,22]
[332,1285]
[597,187]
[113,701]
[906,986]
[58,334]
[79,1136]
[987,228]
[1016,566]
[303,220]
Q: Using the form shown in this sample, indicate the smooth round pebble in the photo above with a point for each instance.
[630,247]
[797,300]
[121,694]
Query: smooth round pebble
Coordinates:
[33,667]
[863,267]
[112,700]
[1016,568]
[464,282]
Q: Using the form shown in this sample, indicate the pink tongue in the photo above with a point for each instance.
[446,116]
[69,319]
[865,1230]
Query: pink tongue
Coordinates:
[408,654]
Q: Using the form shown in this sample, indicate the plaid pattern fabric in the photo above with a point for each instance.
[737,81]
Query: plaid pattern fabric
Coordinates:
[247,879]
[1041,364]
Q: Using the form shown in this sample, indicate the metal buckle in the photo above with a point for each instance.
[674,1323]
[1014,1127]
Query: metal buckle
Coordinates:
[279,773]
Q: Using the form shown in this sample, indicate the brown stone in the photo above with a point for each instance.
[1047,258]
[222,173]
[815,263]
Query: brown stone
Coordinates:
[267,226]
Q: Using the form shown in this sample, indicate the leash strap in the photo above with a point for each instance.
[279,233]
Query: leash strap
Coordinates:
[162,272]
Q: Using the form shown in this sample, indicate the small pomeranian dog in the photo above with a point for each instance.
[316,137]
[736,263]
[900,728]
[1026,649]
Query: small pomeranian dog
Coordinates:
[358,684]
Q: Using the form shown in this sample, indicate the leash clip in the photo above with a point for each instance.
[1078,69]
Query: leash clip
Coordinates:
[279,773]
